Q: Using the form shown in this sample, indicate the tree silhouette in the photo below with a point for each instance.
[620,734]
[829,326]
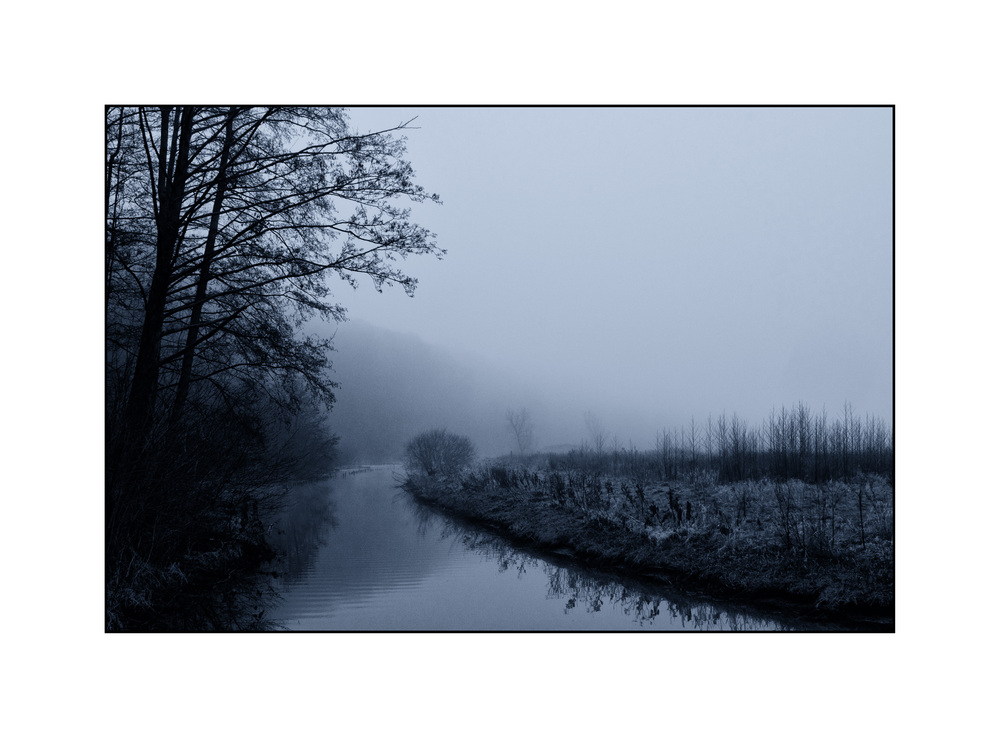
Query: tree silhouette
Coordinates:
[223,227]
[233,218]
[521,427]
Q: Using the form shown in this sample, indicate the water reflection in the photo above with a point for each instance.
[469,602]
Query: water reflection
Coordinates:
[301,528]
[363,556]
[593,591]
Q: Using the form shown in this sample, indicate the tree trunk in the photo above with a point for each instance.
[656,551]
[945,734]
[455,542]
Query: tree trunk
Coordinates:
[187,363]
[142,398]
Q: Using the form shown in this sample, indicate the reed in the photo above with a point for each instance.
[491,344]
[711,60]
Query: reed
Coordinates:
[826,545]
[788,444]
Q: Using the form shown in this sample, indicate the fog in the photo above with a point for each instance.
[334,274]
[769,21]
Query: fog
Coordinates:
[394,385]
[643,265]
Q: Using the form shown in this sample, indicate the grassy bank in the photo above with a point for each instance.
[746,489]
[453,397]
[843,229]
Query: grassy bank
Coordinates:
[825,548]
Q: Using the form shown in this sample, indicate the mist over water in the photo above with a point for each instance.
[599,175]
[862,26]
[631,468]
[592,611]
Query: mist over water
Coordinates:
[616,279]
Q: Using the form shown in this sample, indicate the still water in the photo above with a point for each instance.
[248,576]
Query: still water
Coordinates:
[366,556]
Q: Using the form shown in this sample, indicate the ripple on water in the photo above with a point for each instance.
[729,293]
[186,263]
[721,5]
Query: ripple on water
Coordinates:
[389,564]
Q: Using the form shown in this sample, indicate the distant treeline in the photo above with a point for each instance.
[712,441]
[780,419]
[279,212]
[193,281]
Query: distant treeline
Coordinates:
[789,444]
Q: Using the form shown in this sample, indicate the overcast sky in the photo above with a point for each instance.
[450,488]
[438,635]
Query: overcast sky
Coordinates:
[657,263]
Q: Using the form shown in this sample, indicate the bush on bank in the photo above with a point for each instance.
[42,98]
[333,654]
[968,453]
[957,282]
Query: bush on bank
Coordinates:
[439,453]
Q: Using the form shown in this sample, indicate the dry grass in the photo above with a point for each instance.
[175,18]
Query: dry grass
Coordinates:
[828,547]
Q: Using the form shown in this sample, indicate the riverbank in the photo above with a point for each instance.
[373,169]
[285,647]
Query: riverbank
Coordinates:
[822,549]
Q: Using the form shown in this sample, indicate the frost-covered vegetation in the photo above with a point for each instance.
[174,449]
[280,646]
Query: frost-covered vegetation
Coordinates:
[789,444]
[787,523]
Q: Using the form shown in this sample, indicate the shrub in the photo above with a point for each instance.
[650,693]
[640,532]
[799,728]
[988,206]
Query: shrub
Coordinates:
[439,452]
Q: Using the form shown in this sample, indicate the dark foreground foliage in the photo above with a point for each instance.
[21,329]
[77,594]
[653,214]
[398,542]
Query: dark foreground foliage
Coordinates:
[827,548]
[190,524]
[223,224]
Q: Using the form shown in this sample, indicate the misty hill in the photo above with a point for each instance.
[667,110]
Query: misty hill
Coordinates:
[393,386]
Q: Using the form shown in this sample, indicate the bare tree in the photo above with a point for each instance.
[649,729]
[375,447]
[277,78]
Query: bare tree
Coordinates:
[222,226]
[616,450]
[596,432]
[662,450]
[695,440]
[520,425]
